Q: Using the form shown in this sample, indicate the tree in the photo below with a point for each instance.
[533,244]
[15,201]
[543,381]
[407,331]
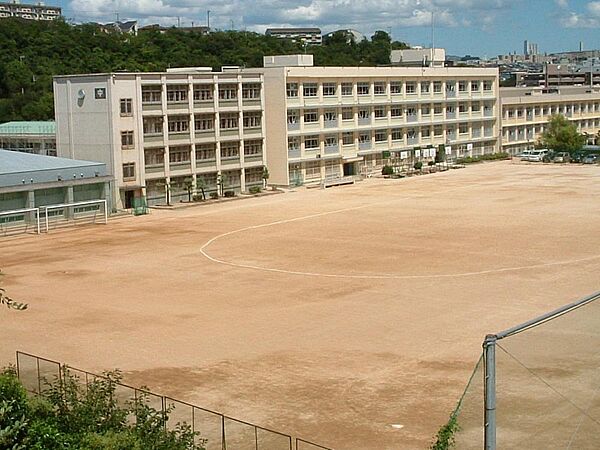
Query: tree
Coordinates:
[561,136]
[201,185]
[265,176]
[189,187]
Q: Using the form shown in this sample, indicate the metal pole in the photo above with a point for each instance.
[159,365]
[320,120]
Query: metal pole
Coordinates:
[489,349]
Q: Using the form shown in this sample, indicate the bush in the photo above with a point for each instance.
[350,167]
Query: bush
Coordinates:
[431,163]
[198,198]
[255,189]
[445,436]
[214,195]
[418,165]
[489,157]
[229,194]
[387,170]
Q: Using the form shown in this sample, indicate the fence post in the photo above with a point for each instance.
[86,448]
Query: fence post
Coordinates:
[489,350]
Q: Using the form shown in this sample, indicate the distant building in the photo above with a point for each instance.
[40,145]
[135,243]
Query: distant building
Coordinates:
[29,137]
[129,27]
[26,11]
[418,57]
[162,29]
[310,36]
[350,34]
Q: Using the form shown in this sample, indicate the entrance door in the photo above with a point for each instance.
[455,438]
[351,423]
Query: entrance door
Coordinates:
[129,195]
[349,169]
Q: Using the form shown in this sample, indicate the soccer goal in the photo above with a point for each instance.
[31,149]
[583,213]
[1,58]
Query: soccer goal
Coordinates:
[20,220]
[91,211]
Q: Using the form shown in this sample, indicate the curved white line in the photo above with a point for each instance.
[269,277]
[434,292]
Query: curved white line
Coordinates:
[371,277]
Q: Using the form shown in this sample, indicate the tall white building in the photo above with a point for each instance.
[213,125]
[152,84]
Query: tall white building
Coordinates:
[161,134]
[333,121]
[38,11]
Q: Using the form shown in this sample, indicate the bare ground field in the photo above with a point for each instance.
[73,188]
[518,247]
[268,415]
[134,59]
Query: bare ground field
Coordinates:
[326,314]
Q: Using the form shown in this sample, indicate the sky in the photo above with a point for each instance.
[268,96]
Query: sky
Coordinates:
[483,28]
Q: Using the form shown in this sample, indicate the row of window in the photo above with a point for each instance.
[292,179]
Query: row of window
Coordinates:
[202,122]
[347,113]
[331,89]
[204,152]
[396,134]
[551,109]
[209,180]
[200,92]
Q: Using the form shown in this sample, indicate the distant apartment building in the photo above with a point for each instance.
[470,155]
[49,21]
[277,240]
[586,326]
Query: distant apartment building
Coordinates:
[526,113]
[418,57]
[27,11]
[325,122]
[309,36]
[38,138]
[162,133]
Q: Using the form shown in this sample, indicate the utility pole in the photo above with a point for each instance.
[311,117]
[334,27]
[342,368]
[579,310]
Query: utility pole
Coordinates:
[432,36]
[208,19]
[178,22]
[232,27]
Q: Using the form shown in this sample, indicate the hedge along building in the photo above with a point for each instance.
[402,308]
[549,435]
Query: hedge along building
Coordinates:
[162,133]
[333,121]
[35,181]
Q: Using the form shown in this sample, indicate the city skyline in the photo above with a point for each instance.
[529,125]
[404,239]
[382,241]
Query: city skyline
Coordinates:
[484,28]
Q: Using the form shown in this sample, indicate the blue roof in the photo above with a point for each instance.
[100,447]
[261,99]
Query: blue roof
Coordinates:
[32,128]
[16,162]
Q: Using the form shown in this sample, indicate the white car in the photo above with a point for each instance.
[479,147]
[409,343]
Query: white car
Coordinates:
[537,155]
[524,155]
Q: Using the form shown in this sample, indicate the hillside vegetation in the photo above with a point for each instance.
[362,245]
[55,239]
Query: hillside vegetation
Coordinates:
[31,53]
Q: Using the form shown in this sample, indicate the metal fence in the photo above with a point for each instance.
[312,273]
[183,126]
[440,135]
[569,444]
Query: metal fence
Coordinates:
[537,385]
[216,430]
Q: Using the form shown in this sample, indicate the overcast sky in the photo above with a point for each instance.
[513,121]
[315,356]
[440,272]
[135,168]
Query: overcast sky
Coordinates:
[476,27]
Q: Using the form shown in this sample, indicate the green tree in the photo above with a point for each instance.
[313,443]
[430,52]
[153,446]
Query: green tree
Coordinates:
[561,136]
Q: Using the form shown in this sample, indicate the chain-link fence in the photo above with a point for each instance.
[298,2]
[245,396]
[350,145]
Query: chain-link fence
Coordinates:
[217,431]
[537,385]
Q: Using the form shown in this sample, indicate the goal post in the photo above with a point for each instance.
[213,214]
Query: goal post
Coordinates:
[89,204]
[22,212]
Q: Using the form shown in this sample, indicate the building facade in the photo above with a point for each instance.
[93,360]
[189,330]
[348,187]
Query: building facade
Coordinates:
[526,113]
[30,137]
[325,122]
[164,134]
[309,36]
[29,11]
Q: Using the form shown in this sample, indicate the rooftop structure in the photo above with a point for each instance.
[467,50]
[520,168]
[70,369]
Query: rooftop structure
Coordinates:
[418,57]
[28,11]
[31,137]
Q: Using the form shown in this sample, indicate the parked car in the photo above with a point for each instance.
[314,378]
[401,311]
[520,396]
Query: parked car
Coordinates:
[577,157]
[562,157]
[537,155]
[524,155]
[591,159]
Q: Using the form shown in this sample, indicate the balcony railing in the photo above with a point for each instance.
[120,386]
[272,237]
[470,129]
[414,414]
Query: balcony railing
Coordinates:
[365,145]
[331,124]
[332,149]
[294,153]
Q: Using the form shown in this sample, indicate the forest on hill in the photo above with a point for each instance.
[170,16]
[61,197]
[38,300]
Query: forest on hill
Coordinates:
[32,52]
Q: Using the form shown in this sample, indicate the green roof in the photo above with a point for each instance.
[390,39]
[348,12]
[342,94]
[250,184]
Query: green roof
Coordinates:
[31,128]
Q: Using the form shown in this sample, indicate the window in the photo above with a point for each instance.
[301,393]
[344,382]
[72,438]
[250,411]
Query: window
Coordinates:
[311,116]
[291,89]
[177,93]
[126,107]
[411,133]
[475,107]
[205,152]
[396,111]
[294,143]
[463,108]
[230,150]
[178,124]
[380,112]
[253,148]
[425,132]
[347,89]
[153,125]
[438,130]
[396,87]
[411,111]
[347,114]
[487,85]
[510,113]
[411,88]
[151,94]
[438,108]
[381,135]
[463,128]
[364,114]
[328,89]
[293,117]
[310,89]
[228,91]
[154,157]
[252,119]
[362,88]
[331,141]
[425,110]
[397,134]
[462,86]
[179,154]
[450,87]
[254,175]
[364,138]
[313,170]
[379,88]
[311,142]
[204,122]
[126,139]
[437,87]
[425,87]
[450,109]
[330,116]
[129,171]
[251,91]
[203,92]
[474,86]
[229,121]
[348,138]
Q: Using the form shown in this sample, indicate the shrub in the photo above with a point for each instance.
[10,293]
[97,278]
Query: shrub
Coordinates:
[255,189]
[418,165]
[445,436]
[214,195]
[489,157]
[387,170]
[431,163]
[198,198]
[229,194]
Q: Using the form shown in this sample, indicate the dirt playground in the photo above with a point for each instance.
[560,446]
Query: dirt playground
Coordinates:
[351,316]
